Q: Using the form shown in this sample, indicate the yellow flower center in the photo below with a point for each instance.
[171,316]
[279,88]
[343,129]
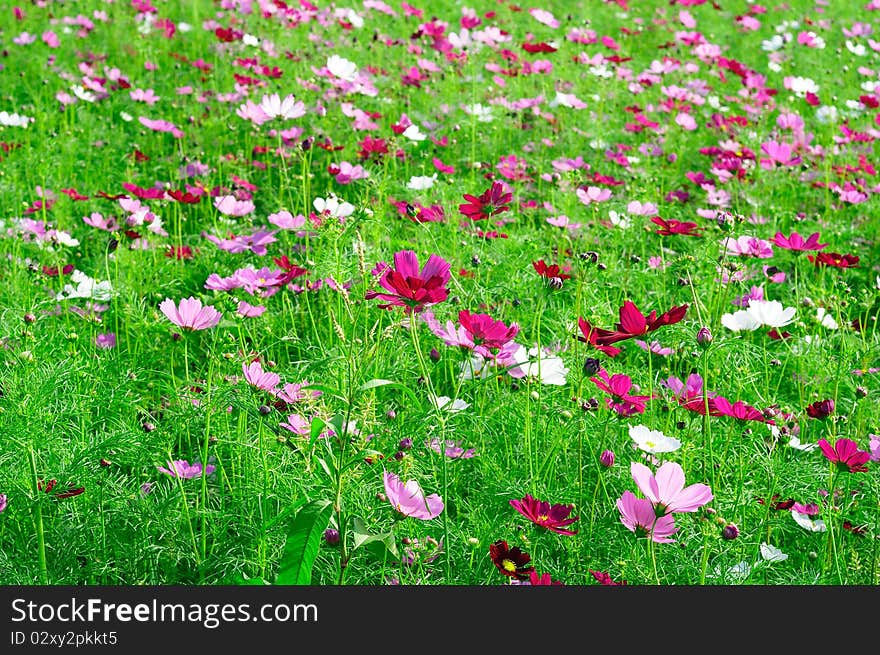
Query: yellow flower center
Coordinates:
[508,565]
[543,518]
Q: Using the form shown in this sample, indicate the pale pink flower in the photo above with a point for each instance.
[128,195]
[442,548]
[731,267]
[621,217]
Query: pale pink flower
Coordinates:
[190,314]
[749,246]
[287,221]
[231,206]
[249,311]
[257,377]
[144,95]
[274,107]
[666,489]
[545,17]
[593,194]
[161,126]
[410,500]
[638,515]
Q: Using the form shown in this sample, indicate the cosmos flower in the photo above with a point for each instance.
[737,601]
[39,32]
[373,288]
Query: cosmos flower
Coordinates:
[668,227]
[846,454]
[180,468]
[512,562]
[409,499]
[618,386]
[410,288]
[632,324]
[749,246]
[652,441]
[190,314]
[552,273]
[542,513]
[666,490]
[797,243]
[638,516]
[769,313]
[491,202]
[834,259]
[257,377]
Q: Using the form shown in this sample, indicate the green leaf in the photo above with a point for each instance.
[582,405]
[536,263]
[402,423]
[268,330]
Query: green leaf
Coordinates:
[382,546]
[378,382]
[303,540]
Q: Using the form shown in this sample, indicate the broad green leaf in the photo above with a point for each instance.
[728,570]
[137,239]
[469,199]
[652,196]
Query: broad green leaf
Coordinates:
[382,546]
[303,541]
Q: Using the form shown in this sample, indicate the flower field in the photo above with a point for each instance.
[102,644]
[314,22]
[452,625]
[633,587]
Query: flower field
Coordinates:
[481,293]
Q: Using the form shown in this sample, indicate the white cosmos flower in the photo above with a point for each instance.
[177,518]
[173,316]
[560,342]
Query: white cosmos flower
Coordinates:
[808,523]
[274,107]
[857,49]
[86,287]
[769,313]
[795,443]
[773,44]
[619,220]
[421,182]
[413,133]
[81,93]
[447,404]
[826,319]
[535,363]
[342,68]
[251,40]
[652,441]
[14,120]
[333,207]
[482,113]
[772,553]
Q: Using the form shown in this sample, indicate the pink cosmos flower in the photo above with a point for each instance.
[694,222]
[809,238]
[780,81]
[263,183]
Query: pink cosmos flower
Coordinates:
[453,449]
[689,394]
[846,454]
[797,242]
[666,490]
[247,310]
[638,515]
[257,377]
[721,406]
[256,242]
[287,221]
[190,314]
[593,194]
[232,206]
[298,424]
[158,125]
[618,386]
[654,347]
[749,246]
[875,447]
[105,340]
[294,392]
[778,154]
[410,288]
[144,95]
[410,500]
[180,468]
[545,17]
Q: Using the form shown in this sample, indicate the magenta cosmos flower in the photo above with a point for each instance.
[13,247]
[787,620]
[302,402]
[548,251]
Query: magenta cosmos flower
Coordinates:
[190,314]
[485,332]
[797,242]
[632,324]
[638,515]
[545,515]
[666,489]
[410,500]
[618,386]
[846,454]
[410,288]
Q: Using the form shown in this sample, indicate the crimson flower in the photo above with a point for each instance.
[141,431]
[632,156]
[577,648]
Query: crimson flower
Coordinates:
[291,270]
[846,454]
[604,578]
[552,273]
[512,562]
[542,580]
[633,323]
[491,202]
[591,337]
[618,386]
[796,242]
[49,488]
[408,287]
[672,226]
[834,259]
[738,410]
[542,513]
[821,409]
[486,331]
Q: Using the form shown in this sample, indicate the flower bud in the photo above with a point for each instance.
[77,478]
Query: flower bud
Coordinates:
[331,536]
[434,355]
[730,532]
[405,443]
[606,459]
[704,336]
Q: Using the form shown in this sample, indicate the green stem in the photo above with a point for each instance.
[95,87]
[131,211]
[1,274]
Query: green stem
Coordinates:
[41,536]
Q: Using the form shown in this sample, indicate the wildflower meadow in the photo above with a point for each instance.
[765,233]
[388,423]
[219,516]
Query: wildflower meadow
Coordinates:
[444,293]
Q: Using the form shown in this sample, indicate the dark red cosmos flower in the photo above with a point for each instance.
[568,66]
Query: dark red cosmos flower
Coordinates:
[834,259]
[291,270]
[846,454]
[512,562]
[538,47]
[373,148]
[74,194]
[184,197]
[779,505]
[591,337]
[491,202]
[633,323]
[738,410]
[49,488]
[672,226]
[605,579]
[52,271]
[821,409]
[855,529]
[485,331]
[552,273]
[179,252]
[409,288]
[545,515]
[152,193]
